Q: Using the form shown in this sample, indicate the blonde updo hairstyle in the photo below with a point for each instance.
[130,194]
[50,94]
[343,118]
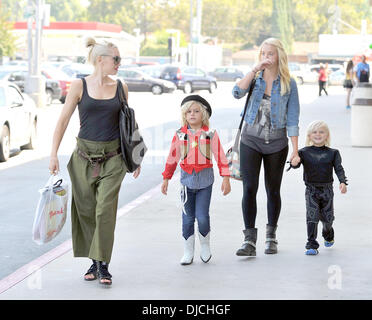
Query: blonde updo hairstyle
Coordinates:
[285,77]
[186,106]
[98,49]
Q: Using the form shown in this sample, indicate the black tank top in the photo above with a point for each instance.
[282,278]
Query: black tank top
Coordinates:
[99,118]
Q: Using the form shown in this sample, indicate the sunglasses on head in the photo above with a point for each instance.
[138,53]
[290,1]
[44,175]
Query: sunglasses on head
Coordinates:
[116,59]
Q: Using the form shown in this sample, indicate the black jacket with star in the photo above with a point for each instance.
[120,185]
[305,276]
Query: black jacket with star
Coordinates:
[319,163]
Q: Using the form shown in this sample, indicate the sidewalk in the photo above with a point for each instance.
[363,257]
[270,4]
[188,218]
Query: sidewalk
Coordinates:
[148,242]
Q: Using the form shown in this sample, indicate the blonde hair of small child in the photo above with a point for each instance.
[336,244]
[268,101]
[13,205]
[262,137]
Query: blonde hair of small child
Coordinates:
[186,106]
[317,124]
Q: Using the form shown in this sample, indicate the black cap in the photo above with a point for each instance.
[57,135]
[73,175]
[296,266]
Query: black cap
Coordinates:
[196,97]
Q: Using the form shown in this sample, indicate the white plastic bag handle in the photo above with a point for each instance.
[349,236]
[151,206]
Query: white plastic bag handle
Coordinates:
[53,179]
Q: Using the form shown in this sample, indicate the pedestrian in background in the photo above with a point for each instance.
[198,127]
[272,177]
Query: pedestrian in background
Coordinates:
[96,166]
[318,161]
[349,82]
[362,70]
[272,114]
[193,144]
[322,80]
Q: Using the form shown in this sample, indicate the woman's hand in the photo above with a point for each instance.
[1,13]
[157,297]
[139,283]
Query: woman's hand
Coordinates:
[226,187]
[137,172]
[262,65]
[164,187]
[53,165]
[294,158]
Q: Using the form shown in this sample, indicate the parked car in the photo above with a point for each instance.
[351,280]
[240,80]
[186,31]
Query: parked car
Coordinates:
[193,78]
[337,77]
[164,71]
[18,63]
[227,74]
[296,72]
[19,75]
[18,120]
[331,67]
[144,63]
[77,70]
[140,81]
[311,73]
[63,79]
[187,79]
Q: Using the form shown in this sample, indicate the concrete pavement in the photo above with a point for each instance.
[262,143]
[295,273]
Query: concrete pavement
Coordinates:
[148,242]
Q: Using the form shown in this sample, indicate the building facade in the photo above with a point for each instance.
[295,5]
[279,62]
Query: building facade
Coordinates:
[67,39]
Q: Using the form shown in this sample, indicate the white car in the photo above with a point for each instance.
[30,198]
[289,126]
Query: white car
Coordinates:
[309,73]
[18,120]
[303,73]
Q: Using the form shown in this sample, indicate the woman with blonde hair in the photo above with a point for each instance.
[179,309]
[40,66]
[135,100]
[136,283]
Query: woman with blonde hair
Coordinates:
[272,114]
[96,166]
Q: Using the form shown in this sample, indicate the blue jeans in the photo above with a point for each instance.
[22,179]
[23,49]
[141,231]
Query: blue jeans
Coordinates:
[197,206]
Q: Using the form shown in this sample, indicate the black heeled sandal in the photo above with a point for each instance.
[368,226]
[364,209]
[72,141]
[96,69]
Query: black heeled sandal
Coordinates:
[92,271]
[103,274]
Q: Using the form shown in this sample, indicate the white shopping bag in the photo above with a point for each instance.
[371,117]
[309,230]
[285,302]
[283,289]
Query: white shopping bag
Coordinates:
[50,215]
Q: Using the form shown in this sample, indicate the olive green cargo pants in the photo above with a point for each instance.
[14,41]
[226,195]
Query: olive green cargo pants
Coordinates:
[95,199]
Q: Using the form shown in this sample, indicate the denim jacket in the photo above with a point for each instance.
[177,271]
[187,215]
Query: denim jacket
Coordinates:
[285,110]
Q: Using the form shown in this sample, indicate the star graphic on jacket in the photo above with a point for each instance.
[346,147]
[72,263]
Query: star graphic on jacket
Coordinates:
[194,144]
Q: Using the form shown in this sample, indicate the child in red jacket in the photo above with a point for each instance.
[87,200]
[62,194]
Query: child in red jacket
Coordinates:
[194,144]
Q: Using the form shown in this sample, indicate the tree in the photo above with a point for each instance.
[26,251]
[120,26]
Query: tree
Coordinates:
[14,9]
[7,40]
[311,18]
[282,27]
[67,10]
[121,12]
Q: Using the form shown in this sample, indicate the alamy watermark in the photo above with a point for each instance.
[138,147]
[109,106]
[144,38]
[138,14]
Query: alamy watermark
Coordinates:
[335,278]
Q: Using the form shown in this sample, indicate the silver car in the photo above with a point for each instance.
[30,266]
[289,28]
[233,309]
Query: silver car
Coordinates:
[18,120]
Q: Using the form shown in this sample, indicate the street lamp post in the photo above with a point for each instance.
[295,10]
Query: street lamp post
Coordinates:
[195,31]
[174,46]
[35,83]
[138,40]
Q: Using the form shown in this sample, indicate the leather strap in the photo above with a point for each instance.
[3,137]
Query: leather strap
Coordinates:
[95,161]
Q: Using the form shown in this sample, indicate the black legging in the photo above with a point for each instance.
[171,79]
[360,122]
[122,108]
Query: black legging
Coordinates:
[322,85]
[250,165]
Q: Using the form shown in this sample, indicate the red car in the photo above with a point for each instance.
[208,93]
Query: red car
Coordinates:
[63,79]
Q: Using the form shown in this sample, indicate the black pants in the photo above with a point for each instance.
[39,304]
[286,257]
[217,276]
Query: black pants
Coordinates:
[250,165]
[319,206]
[322,87]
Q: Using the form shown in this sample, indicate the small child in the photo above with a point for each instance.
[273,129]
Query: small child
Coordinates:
[318,161]
[194,144]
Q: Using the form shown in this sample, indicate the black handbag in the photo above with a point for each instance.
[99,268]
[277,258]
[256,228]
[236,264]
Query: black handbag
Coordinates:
[233,154]
[133,147]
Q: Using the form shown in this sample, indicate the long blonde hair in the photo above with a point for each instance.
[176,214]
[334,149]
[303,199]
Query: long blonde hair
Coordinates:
[186,106]
[97,49]
[317,124]
[285,77]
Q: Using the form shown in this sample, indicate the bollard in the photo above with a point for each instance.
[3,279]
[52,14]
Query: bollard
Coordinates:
[362,90]
[35,88]
[361,122]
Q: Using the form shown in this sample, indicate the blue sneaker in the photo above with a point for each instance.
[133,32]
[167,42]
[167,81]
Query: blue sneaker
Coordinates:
[311,252]
[348,107]
[329,243]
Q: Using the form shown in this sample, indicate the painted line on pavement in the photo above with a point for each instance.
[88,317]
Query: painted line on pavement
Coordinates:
[31,267]
[25,271]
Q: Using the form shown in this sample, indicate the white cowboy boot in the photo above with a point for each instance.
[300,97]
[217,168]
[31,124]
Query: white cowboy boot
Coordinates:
[205,251]
[188,250]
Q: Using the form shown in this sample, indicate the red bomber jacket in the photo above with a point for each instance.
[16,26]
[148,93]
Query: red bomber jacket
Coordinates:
[195,152]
